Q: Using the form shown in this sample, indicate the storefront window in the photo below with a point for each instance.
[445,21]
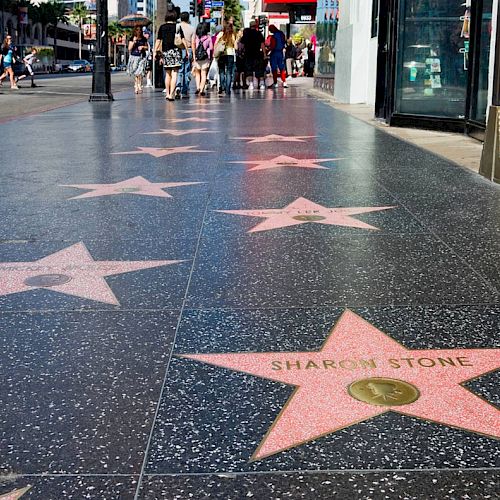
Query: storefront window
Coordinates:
[480,100]
[327,20]
[433,58]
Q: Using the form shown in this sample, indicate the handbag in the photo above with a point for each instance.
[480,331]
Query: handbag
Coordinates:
[178,39]
[219,49]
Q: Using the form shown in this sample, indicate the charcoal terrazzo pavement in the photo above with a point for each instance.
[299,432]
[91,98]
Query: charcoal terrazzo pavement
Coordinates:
[98,402]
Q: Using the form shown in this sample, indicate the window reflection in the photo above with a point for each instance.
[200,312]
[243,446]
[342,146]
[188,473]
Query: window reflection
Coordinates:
[433,58]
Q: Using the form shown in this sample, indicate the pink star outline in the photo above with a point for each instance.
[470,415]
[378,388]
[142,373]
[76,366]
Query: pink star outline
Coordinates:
[15,494]
[136,185]
[160,152]
[178,133]
[191,119]
[304,211]
[85,275]
[202,110]
[275,138]
[287,161]
[321,404]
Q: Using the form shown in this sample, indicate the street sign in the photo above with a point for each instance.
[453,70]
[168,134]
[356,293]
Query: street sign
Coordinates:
[208,3]
[217,14]
[213,21]
[217,3]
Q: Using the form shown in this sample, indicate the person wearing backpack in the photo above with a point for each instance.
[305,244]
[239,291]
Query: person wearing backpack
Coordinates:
[202,54]
[276,46]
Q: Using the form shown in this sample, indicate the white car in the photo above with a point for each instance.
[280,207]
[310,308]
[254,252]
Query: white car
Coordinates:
[80,66]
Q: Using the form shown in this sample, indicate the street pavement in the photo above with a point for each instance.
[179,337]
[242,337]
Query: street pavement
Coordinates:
[52,91]
[254,297]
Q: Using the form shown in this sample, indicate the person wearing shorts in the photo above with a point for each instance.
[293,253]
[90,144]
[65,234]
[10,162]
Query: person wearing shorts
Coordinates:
[8,57]
[172,55]
[28,61]
[253,56]
[202,44]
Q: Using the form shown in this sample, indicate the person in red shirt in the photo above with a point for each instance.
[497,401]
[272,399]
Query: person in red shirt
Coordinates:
[276,46]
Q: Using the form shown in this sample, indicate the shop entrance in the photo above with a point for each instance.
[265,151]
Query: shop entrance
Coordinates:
[433,64]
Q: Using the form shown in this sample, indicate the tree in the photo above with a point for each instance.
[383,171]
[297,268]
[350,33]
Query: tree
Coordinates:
[79,14]
[52,13]
[232,8]
[115,31]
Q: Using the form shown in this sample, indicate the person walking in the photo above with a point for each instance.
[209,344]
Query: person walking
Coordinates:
[28,61]
[184,76]
[149,60]
[239,61]
[172,55]
[8,59]
[290,56]
[253,45]
[137,48]
[227,58]
[276,46]
[202,55]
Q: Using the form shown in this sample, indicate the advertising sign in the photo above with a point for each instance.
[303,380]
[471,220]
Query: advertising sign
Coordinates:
[89,31]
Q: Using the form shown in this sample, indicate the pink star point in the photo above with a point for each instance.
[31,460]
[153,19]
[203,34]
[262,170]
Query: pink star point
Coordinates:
[356,351]
[178,133]
[275,138]
[80,275]
[192,119]
[304,211]
[136,185]
[15,494]
[160,152]
[287,162]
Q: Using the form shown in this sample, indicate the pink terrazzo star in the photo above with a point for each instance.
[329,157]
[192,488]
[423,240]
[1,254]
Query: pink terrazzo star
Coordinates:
[354,351]
[276,138]
[287,161]
[191,119]
[192,111]
[304,211]
[178,133]
[160,152]
[71,271]
[15,494]
[136,185]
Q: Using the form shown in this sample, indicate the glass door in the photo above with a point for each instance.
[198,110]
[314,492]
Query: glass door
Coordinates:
[478,89]
[433,58]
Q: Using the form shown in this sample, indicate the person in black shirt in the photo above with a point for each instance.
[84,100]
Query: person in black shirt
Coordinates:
[172,55]
[253,43]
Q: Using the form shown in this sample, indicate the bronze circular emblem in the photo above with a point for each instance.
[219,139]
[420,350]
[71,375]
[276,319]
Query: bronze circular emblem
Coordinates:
[47,280]
[381,391]
[309,218]
[128,190]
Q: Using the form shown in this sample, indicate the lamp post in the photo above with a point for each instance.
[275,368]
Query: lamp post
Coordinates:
[101,78]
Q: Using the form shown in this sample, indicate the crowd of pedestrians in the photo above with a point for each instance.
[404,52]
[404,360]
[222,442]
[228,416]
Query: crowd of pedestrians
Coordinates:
[226,60]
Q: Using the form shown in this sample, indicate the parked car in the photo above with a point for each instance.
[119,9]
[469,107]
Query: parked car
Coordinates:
[80,66]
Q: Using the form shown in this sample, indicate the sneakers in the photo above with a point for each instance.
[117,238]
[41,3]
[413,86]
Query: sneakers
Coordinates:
[285,86]
[250,86]
[33,85]
[164,91]
[262,87]
[273,86]
[14,87]
[177,93]
[149,85]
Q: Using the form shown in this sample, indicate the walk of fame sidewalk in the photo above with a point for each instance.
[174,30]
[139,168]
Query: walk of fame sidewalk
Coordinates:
[256,296]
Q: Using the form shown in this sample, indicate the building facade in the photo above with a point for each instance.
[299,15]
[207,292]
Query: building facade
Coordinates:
[425,63]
